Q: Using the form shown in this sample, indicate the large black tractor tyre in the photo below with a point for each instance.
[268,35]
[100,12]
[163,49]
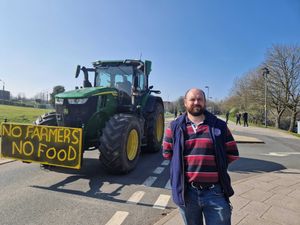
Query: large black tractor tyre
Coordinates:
[48,119]
[120,143]
[155,124]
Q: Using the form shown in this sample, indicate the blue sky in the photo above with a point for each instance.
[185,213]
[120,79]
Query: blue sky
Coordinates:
[191,43]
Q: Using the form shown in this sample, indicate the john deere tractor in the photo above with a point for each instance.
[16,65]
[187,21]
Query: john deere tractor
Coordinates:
[116,110]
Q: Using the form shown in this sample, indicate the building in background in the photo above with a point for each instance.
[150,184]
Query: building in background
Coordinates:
[4,95]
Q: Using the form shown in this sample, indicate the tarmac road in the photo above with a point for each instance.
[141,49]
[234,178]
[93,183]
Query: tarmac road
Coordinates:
[30,195]
[278,151]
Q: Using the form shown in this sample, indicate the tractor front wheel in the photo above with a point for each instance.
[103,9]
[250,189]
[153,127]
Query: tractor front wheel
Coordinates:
[120,143]
[48,119]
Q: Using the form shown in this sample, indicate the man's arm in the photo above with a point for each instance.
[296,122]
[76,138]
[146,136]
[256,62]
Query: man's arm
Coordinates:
[231,147]
[168,144]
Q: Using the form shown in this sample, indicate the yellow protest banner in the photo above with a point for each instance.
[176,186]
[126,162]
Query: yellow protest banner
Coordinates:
[58,146]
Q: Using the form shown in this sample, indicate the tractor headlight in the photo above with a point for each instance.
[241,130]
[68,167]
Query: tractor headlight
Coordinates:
[59,101]
[77,100]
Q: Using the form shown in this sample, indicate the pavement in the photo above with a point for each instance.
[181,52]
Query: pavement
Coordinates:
[4,161]
[266,199]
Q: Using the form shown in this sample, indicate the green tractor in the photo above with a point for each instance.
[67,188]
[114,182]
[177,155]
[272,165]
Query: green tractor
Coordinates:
[118,113]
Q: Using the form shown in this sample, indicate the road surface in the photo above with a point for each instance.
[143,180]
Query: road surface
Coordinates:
[31,195]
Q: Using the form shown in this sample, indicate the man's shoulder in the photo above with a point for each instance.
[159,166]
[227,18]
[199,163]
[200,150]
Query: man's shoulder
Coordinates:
[213,120]
[220,123]
[179,120]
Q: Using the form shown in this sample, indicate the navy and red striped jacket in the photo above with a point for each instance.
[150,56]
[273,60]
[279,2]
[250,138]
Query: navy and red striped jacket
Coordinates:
[200,155]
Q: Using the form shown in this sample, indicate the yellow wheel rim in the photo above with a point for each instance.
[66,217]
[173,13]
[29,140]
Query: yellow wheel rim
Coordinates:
[159,127]
[132,144]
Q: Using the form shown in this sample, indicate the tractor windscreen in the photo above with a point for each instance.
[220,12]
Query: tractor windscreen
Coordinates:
[119,77]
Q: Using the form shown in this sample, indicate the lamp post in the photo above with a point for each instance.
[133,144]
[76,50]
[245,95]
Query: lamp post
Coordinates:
[265,72]
[207,87]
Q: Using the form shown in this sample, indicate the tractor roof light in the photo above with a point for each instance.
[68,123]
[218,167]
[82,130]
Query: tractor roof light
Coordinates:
[77,101]
[59,101]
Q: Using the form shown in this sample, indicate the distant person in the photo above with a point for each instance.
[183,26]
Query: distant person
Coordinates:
[254,119]
[175,113]
[238,118]
[245,119]
[180,113]
[125,85]
[227,116]
[200,147]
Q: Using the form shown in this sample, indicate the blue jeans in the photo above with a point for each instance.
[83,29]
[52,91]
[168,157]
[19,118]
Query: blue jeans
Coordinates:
[209,203]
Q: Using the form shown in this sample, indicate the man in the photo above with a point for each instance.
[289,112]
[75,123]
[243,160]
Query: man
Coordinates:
[245,119]
[200,147]
[238,118]
[125,85]
[227,116]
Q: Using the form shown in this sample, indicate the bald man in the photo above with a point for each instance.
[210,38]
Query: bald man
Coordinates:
[200,147]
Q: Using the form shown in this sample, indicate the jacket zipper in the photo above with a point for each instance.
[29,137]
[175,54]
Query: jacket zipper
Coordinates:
[182,164]
[213,136]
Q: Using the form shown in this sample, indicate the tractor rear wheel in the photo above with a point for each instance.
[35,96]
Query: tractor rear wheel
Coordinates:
[120,143]
[155,129]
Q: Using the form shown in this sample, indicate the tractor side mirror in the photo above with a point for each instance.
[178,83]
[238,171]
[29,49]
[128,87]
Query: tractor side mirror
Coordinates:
[77,71]
[147,67]
[153,91]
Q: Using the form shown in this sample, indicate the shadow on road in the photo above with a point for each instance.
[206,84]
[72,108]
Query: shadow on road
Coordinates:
[247,165]
[97,177]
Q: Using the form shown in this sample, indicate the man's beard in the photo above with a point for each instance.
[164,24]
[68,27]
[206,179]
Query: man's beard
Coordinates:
[196,110]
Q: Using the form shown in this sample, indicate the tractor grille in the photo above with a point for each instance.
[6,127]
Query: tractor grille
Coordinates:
[75,115]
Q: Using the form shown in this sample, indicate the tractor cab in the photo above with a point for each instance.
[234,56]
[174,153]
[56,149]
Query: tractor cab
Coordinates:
[127,76]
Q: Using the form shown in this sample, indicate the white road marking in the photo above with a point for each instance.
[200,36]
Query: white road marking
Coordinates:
[165,163]
[282,154]
[159,170]
[136,197]
[117,218]
[149,181]
[168,185]
[161,202]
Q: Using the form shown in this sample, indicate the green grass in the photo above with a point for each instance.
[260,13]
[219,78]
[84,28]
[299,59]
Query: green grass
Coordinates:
[169,115]
[18,114]
[294,134]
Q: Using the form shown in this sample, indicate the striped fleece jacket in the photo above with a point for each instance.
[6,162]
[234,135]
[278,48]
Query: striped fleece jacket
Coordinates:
[199,154]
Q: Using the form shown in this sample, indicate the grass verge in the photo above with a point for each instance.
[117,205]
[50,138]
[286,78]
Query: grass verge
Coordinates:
[17,114]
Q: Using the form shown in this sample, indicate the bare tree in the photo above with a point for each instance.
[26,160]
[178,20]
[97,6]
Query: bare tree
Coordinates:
[41,97]
[248,95]
[21,96]
[284,80]
[56,90]
[283,88]
[180,104]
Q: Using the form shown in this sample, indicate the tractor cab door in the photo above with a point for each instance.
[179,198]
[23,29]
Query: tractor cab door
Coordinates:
[140,87]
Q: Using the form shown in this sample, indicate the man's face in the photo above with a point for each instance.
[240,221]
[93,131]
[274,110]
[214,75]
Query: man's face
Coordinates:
[195,102]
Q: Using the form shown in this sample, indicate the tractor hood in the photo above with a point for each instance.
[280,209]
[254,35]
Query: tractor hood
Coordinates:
[87,92]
